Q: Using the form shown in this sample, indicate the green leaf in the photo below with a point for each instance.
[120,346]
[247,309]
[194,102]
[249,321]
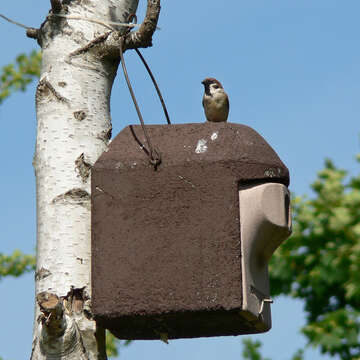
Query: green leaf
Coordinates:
[251,350]
[299,355]
[337,333]
[113,345]
[16,264]
[20,74]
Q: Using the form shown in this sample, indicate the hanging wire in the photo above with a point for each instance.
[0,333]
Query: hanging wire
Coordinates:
[153,154]
[156,86]
[133,18]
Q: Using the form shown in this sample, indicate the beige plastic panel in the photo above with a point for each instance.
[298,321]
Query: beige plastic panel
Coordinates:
[265,218]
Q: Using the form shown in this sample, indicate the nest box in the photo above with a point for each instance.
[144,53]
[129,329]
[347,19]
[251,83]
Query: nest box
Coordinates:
[182,251]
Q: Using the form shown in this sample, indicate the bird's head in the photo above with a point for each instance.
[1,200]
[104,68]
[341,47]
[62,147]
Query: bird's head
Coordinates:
[212,86]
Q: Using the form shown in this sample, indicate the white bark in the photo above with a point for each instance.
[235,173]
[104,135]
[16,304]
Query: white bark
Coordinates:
[73,130]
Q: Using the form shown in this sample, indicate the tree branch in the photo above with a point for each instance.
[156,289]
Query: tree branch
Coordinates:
[32,33]
[60,334]
[56,6]
[143,37]
[52,312]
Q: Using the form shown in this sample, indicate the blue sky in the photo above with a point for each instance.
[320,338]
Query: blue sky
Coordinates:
[291,69]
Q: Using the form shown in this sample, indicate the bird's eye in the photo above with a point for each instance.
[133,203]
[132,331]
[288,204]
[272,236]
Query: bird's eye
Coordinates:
[215,86]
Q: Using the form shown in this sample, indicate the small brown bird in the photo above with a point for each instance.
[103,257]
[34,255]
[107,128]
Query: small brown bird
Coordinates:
[215,101]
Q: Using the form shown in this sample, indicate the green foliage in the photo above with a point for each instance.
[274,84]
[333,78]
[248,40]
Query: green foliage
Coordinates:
[17,76]
[336,333]
[320,263]
[113,344]
[251,350]
[299,355]
[16,264]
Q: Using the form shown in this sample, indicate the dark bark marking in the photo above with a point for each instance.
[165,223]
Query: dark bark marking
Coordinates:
[82,167]
[45,89]
[74,196]
[105,135]
[42,274]
[80,115]
[98,40]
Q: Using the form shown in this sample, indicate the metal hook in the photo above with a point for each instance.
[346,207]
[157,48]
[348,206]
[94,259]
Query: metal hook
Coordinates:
[266,300]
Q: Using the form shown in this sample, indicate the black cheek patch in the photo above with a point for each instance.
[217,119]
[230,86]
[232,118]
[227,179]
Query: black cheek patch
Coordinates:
[207,90]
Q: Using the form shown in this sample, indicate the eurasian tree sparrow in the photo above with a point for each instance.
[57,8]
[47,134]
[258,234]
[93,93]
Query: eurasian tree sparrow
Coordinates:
[215,101]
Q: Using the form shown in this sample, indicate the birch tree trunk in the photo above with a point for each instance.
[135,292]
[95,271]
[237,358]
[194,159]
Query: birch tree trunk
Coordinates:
[80,60]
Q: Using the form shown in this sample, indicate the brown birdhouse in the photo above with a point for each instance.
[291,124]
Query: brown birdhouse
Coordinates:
[182,251]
